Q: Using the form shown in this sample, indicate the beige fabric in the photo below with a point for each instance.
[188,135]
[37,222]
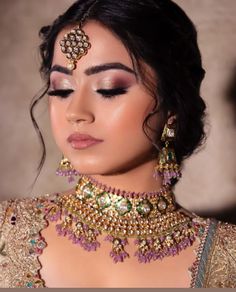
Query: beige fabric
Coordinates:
[221,268]
[21,243]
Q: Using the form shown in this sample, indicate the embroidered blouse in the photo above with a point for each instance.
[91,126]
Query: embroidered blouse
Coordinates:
[22,220]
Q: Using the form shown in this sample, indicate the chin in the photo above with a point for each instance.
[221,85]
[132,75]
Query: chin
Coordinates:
[95,166]
[96,170]
[89,169]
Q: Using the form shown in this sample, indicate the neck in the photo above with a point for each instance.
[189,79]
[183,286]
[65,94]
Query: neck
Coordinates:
[139,179]
[145,212]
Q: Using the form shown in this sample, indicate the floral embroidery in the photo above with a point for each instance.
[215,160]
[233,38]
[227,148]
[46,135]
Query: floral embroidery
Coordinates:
[21,242]
[221,267]
[2,246]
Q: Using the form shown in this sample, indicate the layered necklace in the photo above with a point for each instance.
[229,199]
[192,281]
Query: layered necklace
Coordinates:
[151,219]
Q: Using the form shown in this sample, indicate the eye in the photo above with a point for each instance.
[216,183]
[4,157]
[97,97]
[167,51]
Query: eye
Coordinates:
[109,93]
[63,93]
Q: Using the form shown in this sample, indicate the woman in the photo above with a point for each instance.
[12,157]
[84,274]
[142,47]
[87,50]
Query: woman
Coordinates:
[123,80]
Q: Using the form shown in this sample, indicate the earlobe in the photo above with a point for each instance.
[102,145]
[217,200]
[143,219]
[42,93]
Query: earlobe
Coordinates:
[171,118]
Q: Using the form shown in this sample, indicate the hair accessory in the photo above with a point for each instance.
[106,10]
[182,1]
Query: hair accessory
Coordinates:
[158,228]
[167,165]
[65,169]
[75,45]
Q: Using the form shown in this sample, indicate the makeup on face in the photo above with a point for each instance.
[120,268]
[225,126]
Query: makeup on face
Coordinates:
[82,141]
[61,85]
[107,79]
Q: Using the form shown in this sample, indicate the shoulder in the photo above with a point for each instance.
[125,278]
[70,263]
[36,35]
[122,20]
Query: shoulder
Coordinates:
[27,209]
[15,210]
[221,263]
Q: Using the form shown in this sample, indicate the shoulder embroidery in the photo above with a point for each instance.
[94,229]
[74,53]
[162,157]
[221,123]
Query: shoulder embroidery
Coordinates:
[221,268]
[21,222]
[3,212]
[3,209]
[197,269]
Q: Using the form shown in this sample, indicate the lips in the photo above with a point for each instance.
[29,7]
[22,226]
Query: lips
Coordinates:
[82,141]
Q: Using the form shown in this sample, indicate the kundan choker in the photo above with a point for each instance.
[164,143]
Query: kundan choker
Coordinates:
[151,219]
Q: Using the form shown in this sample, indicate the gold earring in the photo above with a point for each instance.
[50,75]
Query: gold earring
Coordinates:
[167,166]
[66,169]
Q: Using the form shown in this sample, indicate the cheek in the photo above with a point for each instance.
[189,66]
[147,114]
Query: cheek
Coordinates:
[126,120]
[57,118]
[122,126]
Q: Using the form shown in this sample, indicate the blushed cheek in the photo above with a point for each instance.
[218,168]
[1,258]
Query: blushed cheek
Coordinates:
[134,117]
[53,116]
[126,125]
[57,118]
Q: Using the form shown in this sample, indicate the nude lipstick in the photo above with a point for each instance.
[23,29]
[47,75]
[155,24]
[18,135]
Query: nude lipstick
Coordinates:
[82,141]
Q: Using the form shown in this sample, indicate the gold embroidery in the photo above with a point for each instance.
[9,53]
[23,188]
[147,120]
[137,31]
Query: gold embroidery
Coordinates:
[203,232]
[20,224]
[2,247]
[221,268]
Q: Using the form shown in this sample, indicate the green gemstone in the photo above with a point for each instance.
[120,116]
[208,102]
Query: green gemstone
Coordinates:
[33,241]
[123,206]
[29,284]
[88,191]
[144,207]
[103,200]
[170,155]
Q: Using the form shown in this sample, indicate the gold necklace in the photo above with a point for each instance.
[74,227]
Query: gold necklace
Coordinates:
[152,219]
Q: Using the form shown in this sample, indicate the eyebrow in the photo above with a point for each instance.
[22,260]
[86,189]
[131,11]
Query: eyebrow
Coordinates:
[94,69]
[60,69]
[106,67]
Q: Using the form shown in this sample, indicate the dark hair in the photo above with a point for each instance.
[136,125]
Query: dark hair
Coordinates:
[158,33]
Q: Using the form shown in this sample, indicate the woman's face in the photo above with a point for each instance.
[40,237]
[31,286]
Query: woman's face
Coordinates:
[101,98]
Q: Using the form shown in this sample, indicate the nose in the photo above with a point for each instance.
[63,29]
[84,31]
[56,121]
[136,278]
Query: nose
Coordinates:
[80,109]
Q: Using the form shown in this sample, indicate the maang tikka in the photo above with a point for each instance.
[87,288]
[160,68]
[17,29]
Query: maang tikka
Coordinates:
[167,166]
[75,45]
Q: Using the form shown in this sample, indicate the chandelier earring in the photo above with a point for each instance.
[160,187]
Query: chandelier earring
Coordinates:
[167,166]
[66,169]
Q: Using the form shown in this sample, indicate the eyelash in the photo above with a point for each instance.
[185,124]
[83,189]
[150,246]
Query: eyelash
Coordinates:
[63,93]
[106,93]
[111,93]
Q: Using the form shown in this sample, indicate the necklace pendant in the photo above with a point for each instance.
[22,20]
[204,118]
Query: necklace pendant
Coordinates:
[53,214]
[84,236]
[89,239]
[118,253]
[144,252]
[76,235]
[65,228]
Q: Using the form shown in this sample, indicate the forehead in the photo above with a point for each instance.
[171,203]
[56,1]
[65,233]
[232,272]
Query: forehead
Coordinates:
[105,47]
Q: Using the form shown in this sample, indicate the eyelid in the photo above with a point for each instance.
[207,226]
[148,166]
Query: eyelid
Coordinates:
[62,84]
[117,88]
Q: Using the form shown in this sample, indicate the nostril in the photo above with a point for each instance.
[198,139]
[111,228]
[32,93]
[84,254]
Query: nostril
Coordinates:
[78,118]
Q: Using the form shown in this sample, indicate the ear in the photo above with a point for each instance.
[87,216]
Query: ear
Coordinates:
[171,118]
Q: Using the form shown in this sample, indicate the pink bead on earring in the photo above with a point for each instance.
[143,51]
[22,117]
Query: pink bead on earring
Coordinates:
[66,169]
[167,166]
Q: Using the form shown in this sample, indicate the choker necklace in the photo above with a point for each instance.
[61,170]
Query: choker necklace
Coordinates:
[158,228]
